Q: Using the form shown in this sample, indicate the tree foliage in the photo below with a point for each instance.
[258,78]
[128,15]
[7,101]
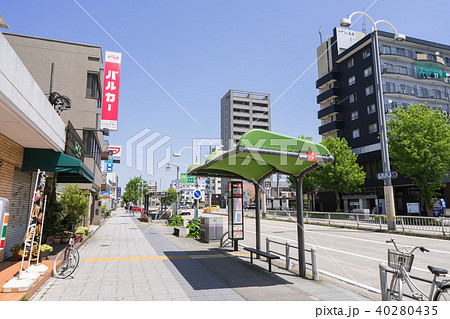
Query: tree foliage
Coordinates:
[419,144]
[74,203]
[134,190]
[344,175]
[172,196]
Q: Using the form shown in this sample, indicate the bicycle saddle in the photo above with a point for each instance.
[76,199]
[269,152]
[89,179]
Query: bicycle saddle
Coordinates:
[437,271]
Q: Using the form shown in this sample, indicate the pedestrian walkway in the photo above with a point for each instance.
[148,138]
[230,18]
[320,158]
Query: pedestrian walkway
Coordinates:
[130,260]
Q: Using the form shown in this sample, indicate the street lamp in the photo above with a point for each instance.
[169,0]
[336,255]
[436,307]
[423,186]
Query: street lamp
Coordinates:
[388,190]
[178,176]
[187,147]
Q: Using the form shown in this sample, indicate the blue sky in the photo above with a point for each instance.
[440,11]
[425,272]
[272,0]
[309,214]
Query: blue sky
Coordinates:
[198,50]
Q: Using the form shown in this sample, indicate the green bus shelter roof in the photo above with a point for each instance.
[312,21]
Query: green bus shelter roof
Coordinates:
[261,153]
[69,169]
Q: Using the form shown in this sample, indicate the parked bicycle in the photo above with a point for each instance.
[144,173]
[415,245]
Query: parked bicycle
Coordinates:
[401,262]
[67,260]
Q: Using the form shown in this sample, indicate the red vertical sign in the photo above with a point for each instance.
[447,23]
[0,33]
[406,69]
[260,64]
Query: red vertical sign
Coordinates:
[110,100]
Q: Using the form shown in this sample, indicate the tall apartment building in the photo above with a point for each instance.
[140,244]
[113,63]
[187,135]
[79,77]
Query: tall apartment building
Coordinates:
[242,111]
[73,70]
[413,71]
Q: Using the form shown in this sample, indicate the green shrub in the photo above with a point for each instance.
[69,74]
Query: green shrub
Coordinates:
[16,248]
[175,220]
[81,230]
[194,228]
[46,247]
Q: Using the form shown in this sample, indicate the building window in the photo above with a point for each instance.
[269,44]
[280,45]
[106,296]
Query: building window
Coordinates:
[351,80]
[92,85]
[366,54]
[400,51]
[355,133]
[373,128]
[385,49]
[369,90]
[354,115]
[371,109]
[368,71]
[350,63]
[352,98]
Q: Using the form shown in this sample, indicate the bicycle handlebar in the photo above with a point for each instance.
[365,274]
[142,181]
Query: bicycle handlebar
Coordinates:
[421,248]
[72,233]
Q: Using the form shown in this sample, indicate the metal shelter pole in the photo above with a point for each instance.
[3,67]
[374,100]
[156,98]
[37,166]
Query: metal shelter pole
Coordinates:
[258,218]
[300,226]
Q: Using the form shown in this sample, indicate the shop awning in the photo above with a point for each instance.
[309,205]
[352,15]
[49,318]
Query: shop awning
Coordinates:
[261,153]
[69,169]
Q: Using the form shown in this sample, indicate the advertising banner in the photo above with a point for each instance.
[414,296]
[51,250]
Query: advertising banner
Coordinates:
[110,100]
[33,235]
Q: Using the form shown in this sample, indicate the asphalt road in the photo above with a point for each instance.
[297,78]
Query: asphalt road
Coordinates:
[348,254]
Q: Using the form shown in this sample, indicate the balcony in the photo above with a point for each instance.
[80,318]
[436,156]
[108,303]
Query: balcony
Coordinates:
[333,108]
[404,53]
[332,126]
[329,77]
[418,92]
[418,73]
[330,93]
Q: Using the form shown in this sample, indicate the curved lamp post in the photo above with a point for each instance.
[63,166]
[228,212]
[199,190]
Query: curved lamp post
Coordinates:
[388,190]
[187,147]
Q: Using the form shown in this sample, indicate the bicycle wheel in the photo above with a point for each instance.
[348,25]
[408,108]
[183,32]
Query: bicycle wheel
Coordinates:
[443,294]
[66,262]
[396,288]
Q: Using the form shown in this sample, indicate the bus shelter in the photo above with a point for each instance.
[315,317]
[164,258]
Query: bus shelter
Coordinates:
[257,156]
[152,210]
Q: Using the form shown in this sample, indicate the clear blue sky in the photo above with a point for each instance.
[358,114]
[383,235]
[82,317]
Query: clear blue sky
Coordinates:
[198,50]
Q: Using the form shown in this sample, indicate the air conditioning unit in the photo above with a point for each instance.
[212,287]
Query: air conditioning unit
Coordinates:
[389,110]
[401,91]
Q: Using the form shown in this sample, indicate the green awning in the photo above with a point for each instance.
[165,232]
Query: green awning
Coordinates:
[261,153]
[69,169]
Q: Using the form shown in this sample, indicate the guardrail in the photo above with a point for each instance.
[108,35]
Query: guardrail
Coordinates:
[288,257]
[405,224]
[432,225]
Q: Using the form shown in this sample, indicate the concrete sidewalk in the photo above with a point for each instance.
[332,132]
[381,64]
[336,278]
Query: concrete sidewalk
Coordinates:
[130,260]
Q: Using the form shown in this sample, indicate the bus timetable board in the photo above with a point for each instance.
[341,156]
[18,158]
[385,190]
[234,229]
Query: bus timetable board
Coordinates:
[235,211]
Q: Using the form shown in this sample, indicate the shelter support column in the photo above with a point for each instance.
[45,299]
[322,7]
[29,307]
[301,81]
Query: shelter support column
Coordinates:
[300,226]
[257,218]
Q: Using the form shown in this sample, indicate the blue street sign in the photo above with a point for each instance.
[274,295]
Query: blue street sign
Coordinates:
[386,175]
[197,194]
[119,191]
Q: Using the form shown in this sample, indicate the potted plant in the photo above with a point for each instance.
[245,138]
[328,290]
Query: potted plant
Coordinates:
[65,238]
[15,251]
[45,251]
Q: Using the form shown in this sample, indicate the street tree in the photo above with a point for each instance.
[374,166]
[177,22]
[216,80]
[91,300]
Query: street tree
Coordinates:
[344,175]
[172,196]
[135,189]
[419,144]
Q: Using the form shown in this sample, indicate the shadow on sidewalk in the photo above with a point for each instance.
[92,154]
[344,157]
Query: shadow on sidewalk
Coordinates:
[216,268]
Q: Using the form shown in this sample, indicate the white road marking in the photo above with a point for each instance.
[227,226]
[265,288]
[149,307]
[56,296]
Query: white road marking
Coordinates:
[335,250]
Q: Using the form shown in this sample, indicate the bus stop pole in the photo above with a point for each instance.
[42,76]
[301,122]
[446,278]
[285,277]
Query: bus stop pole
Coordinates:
[300,226]
[258,218]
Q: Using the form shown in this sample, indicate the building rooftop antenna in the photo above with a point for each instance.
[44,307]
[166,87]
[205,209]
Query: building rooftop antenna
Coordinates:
[320,34]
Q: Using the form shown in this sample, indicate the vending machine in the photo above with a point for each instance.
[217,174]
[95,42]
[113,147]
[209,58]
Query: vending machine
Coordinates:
[235,212]
[4,203]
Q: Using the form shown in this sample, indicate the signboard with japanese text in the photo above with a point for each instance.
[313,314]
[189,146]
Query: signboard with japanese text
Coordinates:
[110,100]
[235,210]
[116,150]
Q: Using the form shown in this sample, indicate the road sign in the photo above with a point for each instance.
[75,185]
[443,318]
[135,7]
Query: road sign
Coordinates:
[187,179]
[386,175]
[197,194]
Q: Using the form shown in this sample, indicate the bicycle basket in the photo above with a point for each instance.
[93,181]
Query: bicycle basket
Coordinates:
[397,259]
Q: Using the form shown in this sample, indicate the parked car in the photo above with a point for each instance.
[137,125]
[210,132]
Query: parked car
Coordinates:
[184,210]
[213,207]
